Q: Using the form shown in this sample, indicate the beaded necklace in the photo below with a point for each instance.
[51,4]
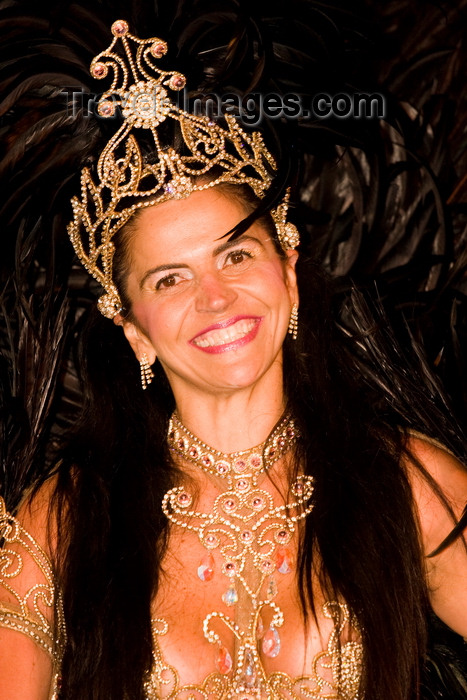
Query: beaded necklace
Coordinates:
[251,534]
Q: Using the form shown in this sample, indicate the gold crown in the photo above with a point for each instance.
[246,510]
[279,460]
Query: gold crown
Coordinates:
[128,181]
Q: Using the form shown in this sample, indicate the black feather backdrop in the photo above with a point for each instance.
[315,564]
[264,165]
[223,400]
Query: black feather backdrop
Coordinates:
[383,201]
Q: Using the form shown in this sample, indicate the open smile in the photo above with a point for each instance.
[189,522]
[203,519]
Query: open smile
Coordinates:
[228,335]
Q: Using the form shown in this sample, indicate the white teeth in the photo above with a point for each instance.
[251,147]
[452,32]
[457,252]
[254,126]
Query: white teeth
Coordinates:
[222,336]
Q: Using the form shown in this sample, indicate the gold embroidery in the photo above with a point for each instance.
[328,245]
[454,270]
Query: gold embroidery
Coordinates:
[335,672]
[37,610]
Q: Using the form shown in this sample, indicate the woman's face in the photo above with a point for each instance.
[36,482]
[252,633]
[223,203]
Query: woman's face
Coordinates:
[214,312]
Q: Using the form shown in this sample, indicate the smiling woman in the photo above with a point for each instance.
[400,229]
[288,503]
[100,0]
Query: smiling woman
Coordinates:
[213,311]
[253,520]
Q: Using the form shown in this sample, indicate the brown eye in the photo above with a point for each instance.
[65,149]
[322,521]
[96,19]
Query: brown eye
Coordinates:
[236,257]
[168,281]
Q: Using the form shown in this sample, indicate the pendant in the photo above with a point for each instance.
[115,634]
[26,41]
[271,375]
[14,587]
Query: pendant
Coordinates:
[272,589]
[284,560]
[206,567]
[271,644]
[230,597]
[248,678]
[223,661]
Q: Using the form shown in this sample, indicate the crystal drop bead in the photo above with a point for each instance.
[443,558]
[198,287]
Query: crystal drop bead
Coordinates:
[271,644]
[230,597]
[259,628]
[206,567]
[272,588]
[284,560]
[248,678]
[223,661]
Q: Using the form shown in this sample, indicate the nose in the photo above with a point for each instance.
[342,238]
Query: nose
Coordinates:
[214,293]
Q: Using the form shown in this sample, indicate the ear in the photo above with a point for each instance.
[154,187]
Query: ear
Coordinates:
[140,343]
[290,274]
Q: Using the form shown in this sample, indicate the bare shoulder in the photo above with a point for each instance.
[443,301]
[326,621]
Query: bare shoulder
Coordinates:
[439,506]
[35,514]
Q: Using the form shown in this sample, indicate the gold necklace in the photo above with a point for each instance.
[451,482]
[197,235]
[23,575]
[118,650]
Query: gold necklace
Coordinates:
[251,534]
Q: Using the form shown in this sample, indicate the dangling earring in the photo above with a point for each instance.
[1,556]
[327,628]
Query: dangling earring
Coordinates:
[293,323]
[147,375]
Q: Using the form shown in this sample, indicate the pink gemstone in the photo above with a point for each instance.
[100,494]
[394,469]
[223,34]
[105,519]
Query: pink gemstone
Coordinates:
[193,452]
[271,644]
[177,82]
[240,465]
[246,536]
[267,565]
[258,503]
[222,467]
[211,540]
[256,462]
[242,485]
[230,569]
[207,461]
[159,49]
[282,535]
[99,70]
[181,443]
[106,108]
[206,567]
[281,442]
[224,661]
[119,28]
[290,432]
[184,499]
[284,560]
[229,504]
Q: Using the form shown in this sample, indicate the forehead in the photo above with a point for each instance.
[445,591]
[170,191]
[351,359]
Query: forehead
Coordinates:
[187,225]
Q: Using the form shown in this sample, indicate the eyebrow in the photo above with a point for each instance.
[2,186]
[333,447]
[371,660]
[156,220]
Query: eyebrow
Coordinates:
[232,243]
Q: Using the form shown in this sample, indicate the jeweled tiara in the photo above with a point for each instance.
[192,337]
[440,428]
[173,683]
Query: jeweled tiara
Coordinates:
[126,181]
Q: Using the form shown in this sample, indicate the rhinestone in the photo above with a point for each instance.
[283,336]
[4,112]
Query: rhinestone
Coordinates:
[230,597]
[99,70]
[207,460]
[290,432]
[282,536]
[106,108]
[256,462]
[211,541]
[181,444]
[272,588]
[248,677]
[271,644]
[284,560]
[177,82]
[242,485]
[267,565]
[159,49]
[184,499]
[229,504]
[222,467]
[247,536]
[240,465]
[258,503]
[282,442]
[259,628]
[230,568]
[223,661]
[119,28]
[193,452]
[206,567]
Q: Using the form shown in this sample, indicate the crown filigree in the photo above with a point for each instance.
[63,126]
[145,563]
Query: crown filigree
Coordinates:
[127,180]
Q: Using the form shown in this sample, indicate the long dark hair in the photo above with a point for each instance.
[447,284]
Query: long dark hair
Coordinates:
[362,533]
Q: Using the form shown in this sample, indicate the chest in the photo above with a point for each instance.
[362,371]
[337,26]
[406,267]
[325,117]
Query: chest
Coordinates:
[228,611]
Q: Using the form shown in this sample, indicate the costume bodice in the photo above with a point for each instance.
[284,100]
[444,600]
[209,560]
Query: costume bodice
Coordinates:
[188,663]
